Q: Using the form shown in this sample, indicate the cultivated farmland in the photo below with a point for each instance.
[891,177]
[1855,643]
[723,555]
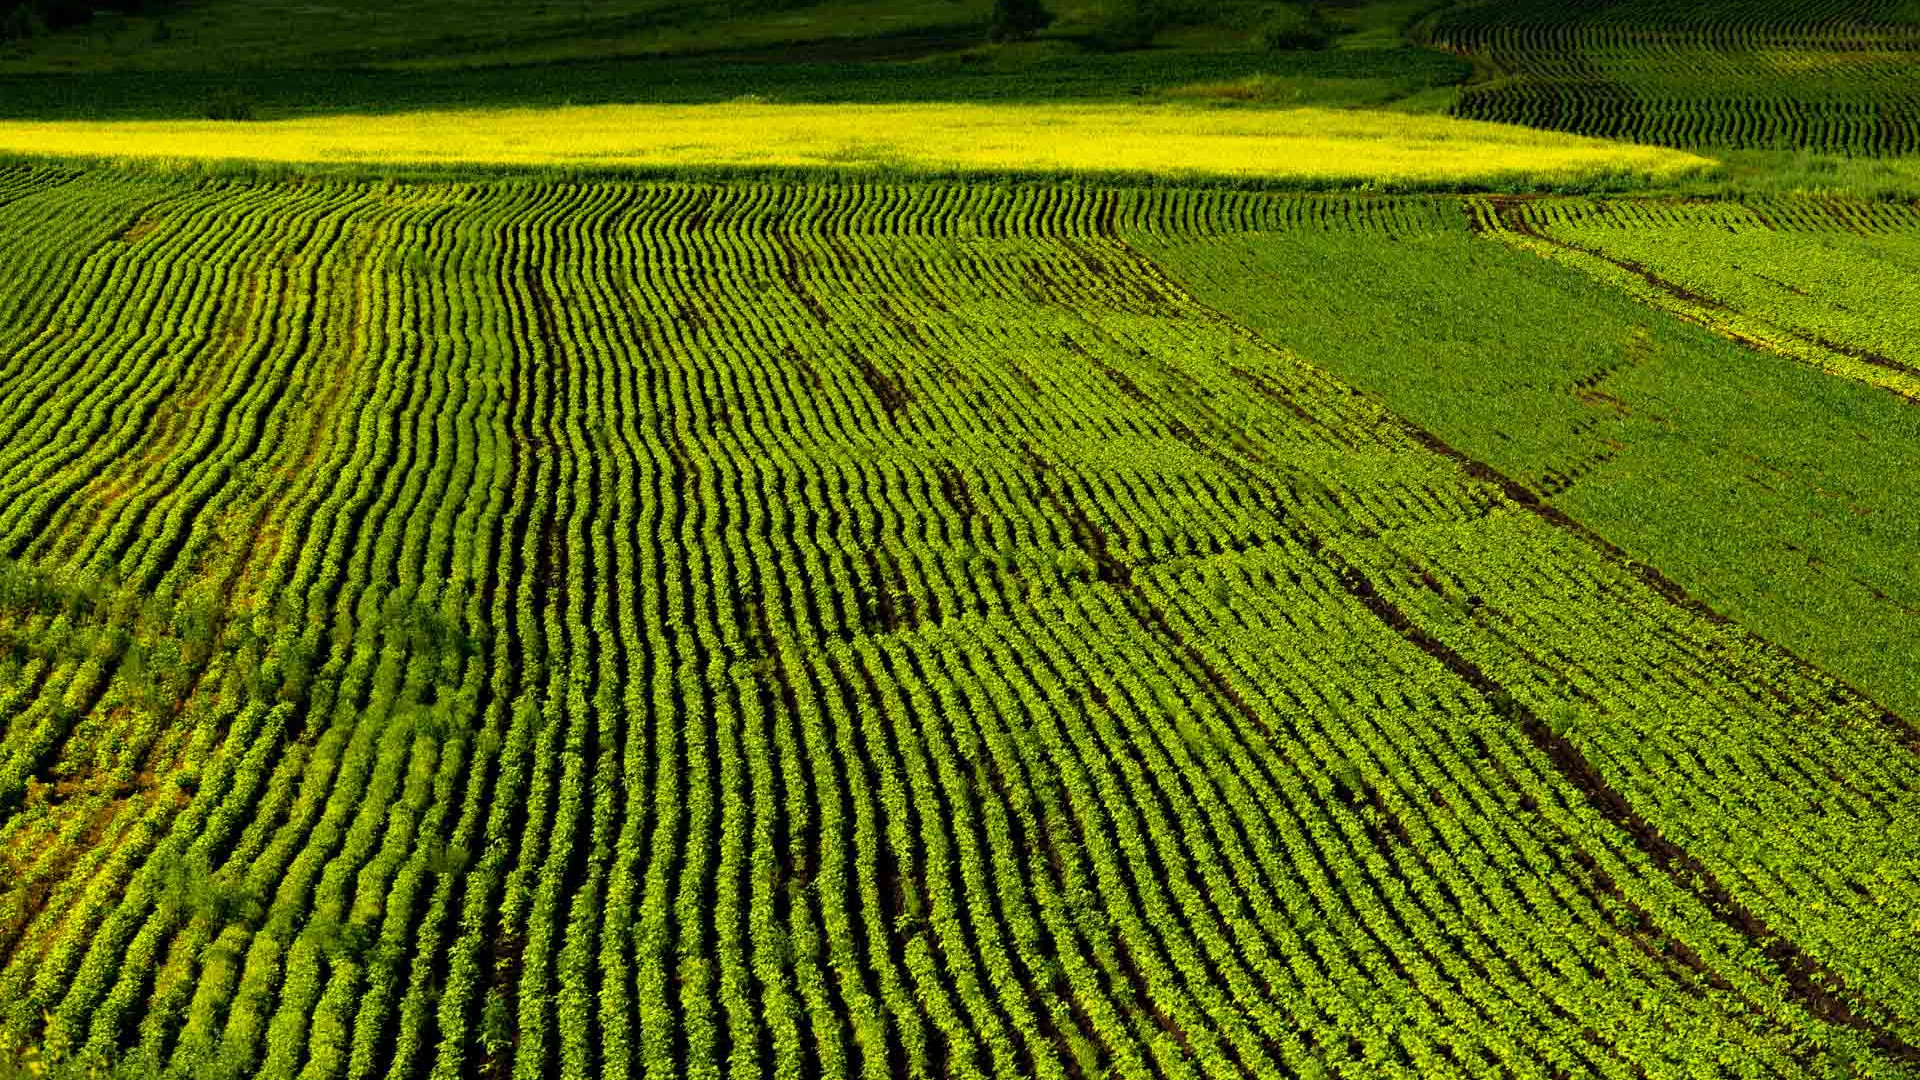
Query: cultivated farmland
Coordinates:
[1159,143]
[959,540]
[1692,451]
[1827,281]
[861,629]
[1833,75]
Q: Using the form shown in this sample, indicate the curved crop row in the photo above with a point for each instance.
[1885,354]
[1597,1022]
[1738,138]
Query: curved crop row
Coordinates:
[885,631]
[1832,76]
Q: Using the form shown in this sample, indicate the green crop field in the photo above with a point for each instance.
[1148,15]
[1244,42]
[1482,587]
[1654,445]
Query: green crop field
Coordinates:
[1831,281]
[1691,451]
[858,630]
[1827,75]
[1371,539]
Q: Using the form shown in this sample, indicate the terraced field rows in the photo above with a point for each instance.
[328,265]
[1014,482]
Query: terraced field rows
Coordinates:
[1833,76]
[613,630]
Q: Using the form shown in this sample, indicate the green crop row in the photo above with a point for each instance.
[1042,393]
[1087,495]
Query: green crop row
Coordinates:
[1832,76]
[858,631]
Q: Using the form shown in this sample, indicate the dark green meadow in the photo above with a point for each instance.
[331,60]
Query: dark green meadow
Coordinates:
[1360,78]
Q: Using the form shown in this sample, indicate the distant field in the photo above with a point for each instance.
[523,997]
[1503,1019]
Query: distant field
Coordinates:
[600,630]
[1315,145]
[1831,77]
[1416,79]
[1835,76]
[229,34]
[278,58]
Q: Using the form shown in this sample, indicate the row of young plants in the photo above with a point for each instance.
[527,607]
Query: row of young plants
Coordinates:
[1360,518]
[1779,792]
[132,977]
[1828,77]
[744,630]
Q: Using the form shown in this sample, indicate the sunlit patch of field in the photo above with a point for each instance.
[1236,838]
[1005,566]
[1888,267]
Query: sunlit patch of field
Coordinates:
[1169,140]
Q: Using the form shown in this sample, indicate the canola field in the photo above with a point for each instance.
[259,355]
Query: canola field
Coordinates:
[601,629]
[1166,142]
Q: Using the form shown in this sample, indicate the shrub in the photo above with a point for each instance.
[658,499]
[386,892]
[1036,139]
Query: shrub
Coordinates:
[1016,19]
[1295,26]
[230,105]
[1132,25]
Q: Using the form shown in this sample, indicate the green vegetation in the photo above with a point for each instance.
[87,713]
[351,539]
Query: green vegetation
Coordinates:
[227,35]
[960,540]
[870,630]
[357,56]
[1694,454]
[1834,76]
[224,35]
[214,35]
[1832,281]
[29,18]
[1361,78]
[1293,26]
[1014,20]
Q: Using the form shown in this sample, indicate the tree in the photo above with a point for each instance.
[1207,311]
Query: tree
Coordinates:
[1132,24]
[1016,19]
[1295,26]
